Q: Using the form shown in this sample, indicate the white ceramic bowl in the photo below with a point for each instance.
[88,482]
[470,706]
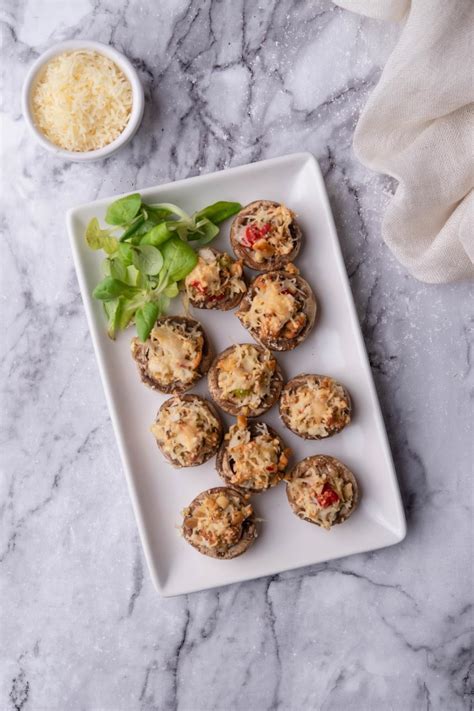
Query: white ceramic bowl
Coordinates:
[138,101]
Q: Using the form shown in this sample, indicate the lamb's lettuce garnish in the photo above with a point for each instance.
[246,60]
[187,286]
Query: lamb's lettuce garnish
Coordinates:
[100,239]
[180,259]
[148,256]
[110,288]
[145,318]
[123,211]
[147,259]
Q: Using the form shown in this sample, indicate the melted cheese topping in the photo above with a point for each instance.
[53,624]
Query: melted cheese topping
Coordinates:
[306,490]
[244,375]
[255,462]
[172,353]
[82,101]
[216,276]
[317,407]
[186,429]
[276,303]
[215,522]
[278,240]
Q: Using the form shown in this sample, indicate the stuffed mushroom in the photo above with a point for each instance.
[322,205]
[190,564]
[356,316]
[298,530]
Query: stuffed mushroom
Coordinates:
[216,282]
[252,456]
[220,523]
[315,406]
[245,380]
[265,235]
[279,309]
[188,430]
[174,356]
[322,490]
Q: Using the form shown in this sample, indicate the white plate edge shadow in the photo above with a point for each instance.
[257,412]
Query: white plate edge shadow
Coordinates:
[397,529]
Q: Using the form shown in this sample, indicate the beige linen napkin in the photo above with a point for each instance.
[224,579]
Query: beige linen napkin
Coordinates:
[417,127]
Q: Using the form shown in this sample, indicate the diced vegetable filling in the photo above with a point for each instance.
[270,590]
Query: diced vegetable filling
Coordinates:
[256,460]
[322,495]
[316,407]
[216,521]
[265,231]
[245,375]
[172,352]
[277,307]
[186,429]
[215,278]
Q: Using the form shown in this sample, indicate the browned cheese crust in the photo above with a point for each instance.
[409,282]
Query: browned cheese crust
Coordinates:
[217,281]
[226,525]
[315,406]
[230,403]
[279,310]
[320,508]
[144,352]
[251,254]
[252,456]
[188,430]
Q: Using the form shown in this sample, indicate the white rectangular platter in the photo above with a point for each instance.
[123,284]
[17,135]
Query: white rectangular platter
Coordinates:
[335,347]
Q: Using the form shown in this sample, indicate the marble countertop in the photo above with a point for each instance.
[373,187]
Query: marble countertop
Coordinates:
[81,625]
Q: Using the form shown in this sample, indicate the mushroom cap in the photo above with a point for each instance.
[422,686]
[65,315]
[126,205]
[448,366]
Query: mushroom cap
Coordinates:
[223,466]
[225,304]
[176,387]
[275,262]
[249,528]
[300,470]
[269,400]
[301,380]
[201,456]
[310,309]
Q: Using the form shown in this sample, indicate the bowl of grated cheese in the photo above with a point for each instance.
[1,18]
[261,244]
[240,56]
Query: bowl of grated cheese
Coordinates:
[82,100]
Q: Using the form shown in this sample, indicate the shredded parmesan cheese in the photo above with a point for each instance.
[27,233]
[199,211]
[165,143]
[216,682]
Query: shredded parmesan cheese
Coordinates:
[215,278]
[322,494]
[275,303]
[172,353]
[82,101]
[271,308]
[316,407]
[255,459]
[215,521]
[187,431]
[273,222]
[245,375]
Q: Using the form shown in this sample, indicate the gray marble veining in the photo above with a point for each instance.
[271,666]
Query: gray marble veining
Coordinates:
[226,82]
